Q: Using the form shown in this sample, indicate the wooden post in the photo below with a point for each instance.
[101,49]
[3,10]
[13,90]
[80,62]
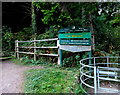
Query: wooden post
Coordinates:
[34,49]
[59,54]
[17,49]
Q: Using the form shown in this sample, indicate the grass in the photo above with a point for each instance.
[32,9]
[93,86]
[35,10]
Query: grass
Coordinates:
[52,80]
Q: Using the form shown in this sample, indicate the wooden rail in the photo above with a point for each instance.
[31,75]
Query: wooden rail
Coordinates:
[38,40]
[35,47]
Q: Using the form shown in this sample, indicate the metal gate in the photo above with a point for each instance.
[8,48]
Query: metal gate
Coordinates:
[100,74]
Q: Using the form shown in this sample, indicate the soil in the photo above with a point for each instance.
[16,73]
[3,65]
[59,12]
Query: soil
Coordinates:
[108,86]
[13,76]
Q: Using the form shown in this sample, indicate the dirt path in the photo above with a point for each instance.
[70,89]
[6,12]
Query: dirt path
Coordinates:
[12,76]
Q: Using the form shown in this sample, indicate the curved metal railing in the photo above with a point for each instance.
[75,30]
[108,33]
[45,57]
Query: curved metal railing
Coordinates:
[95,70]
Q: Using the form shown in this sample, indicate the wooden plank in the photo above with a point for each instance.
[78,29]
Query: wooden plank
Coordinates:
[59,54]
[4,58]
[75,35]
[72,48]
[49,54]
[38,47]
[75,42]
[17,49]
[58,44]
[49,47]
[46,40]
[39,54]
[39,40]
[25,52]
[24,41]
[34,50]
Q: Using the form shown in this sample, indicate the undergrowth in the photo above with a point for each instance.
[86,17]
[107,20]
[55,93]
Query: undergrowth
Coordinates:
[52,80]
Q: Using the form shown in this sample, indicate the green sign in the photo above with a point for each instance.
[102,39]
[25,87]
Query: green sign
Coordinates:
[75,35]
[74,29]
[75,42]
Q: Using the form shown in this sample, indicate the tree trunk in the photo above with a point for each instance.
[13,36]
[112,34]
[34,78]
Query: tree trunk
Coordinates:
[93,34]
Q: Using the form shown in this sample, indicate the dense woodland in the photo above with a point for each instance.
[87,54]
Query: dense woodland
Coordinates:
[24,21]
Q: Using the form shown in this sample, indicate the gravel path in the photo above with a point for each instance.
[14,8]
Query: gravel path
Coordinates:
[12,76]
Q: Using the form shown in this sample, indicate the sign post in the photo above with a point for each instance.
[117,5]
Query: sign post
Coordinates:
[74,39]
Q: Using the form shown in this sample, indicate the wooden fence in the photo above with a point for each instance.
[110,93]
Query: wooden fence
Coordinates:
[35,47]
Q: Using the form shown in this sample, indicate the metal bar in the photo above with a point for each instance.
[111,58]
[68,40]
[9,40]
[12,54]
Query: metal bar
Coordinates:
[114,90]
[108,72]
[86,75]
[86,83]
[107,76]
[108,68]
[95,78]
[87,66]
[109,79]
[98,78]
[101,57]
[98,71]
[108,63]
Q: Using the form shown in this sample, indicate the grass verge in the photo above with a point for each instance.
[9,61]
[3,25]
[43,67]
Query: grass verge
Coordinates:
[52,80]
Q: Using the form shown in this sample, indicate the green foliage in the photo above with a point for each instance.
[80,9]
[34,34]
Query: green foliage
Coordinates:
[8,39]
[7,36]
[72,61]
[51,80]
[105,19]
[52,14]
[26,60]
[24,34]
[52,32]
[55,15]
[116,20]
[110,38]
[79,89]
